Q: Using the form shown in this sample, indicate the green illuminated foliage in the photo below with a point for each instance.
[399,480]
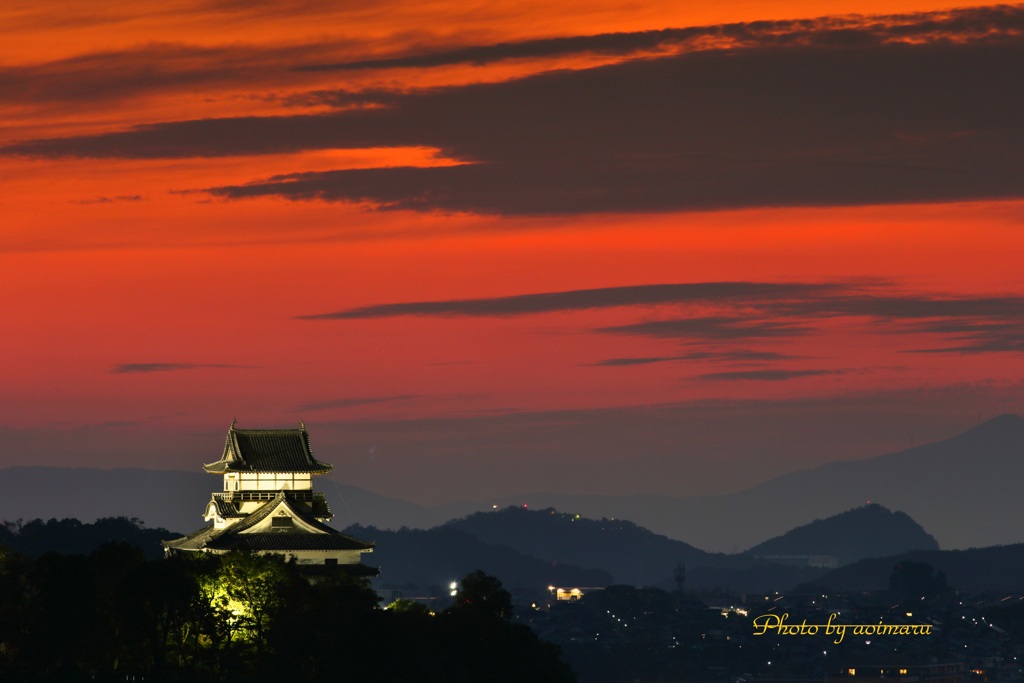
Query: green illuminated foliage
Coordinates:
[116,616]
[404,606]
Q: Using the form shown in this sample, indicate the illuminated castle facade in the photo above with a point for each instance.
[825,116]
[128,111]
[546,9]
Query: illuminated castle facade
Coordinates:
[268,504]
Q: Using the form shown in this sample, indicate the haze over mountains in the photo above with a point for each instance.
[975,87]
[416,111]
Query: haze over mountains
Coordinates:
[636,556]
[964,491]
[532,549]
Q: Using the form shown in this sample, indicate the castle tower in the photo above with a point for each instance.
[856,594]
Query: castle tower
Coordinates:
[268,504]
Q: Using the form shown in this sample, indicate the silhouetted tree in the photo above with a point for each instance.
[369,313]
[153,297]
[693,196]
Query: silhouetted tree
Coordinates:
[13,608]
[61,619]
[121,630]
[318,629]
[489,647]
[167,594]
[480,591]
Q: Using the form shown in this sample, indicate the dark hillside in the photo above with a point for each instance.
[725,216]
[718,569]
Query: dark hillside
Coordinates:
[631,553]
[437,556]
[72,537]
[976,569]
[867,531]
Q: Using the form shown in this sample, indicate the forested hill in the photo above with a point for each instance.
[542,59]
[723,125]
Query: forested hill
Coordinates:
[976,569]
[633,554]
[72,537]
[435,556]
[863,532]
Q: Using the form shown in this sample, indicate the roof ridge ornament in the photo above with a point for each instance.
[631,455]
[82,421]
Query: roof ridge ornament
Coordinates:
[234,421]
[302,425]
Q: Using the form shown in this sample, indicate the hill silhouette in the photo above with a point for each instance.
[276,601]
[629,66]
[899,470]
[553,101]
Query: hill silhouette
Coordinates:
[72,537]
[435,557]
[633,554]
[975,569]
[863,532]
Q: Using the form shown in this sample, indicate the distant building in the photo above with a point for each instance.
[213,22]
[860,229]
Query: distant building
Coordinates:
[268,504]
[571,594]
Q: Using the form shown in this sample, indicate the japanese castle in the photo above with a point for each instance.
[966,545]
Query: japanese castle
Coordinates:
[268,504]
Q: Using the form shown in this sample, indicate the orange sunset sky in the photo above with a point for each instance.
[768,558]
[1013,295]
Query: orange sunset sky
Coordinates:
[491,248]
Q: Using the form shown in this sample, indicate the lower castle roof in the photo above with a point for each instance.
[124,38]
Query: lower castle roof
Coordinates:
[232,537]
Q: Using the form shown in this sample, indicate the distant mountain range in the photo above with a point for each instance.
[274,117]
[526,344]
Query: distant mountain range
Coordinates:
[634,555]
[964,490]
[531,549]
[535,548]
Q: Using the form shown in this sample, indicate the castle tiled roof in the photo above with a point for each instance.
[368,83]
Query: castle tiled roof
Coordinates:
[226,508]
[267,450]
[284,542]
[235,538]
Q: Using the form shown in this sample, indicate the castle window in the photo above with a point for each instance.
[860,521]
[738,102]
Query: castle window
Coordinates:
[281,523]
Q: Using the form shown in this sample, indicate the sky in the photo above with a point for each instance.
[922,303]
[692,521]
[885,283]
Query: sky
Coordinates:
[494,248]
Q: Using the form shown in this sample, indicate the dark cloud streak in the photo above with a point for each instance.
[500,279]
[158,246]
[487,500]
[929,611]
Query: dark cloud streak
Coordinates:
[354,402]
[764,375]
[732,355]
[775,127]
[583,299]
[722,313]
[714,328]
[977,335]
[832,118]
[132,368]
[990,24]
[607,43]
[909,306]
